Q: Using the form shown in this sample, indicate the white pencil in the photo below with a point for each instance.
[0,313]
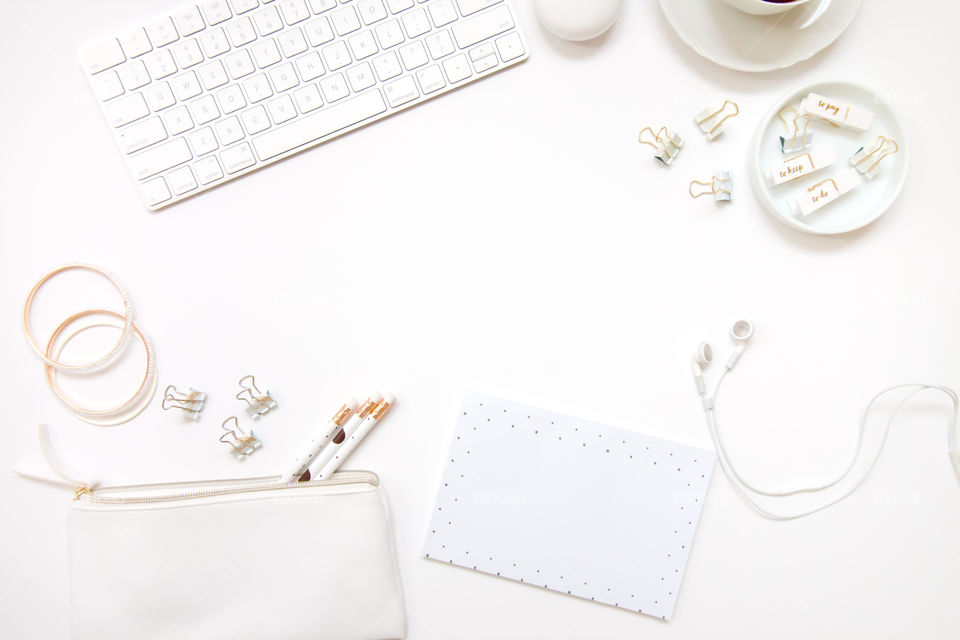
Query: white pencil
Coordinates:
[319,440]
[342,434]
[344,450]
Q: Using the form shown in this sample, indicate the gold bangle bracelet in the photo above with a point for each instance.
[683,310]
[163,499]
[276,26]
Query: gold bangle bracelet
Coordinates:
[127,318]
[52,371]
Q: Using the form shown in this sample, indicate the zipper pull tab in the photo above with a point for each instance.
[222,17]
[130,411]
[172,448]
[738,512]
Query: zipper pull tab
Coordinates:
[81,491]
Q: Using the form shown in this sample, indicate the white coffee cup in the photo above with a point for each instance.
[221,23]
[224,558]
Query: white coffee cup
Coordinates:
[764,7]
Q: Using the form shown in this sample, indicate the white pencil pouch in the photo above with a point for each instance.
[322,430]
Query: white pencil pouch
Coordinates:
[246,559]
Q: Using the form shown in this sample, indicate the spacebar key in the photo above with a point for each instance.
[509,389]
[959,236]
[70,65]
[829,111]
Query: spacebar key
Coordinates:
[320,124]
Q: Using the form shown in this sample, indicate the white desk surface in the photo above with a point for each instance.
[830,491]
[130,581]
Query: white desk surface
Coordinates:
[517,240]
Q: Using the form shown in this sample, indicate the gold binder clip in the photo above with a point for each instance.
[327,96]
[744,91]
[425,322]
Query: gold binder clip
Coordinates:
[243,442]
[258,402]
[667,146]
[720,186]
[710,121]
[799,139]
[191,402]
[866,161]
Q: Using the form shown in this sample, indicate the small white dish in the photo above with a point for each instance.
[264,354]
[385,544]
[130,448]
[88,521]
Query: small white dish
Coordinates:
[863,204]
[744,42]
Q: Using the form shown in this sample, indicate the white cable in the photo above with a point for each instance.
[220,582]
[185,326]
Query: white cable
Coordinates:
[744,488]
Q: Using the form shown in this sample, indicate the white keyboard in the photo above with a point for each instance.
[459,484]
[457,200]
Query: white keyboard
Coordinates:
[218,89]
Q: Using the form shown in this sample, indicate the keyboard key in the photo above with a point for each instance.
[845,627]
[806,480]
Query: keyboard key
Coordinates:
[440,44]
[416,23]
[387,66]
[268,20]
[482,51]
[284,77]
[140,135]
[255,120]
[237,158]
[189,21]
[319,124]
[133,75]
[257,88]
[107,85]
[430,79]
[186,86]
[162,31]
[181,180]
[203,141]
[371,11]
[360,77]
[319,6]
[102,56]
[510,47]
[483,64]
[401,91]
[208,170]
[204,109]
[473,30]
[126,109]
[230,99]
[363,45]
[212,75]
[177,120]
[294,11]
[307,98]
[292,42]
[310,66]
[154,191]
[160,63]
[228,131]
[160,158]
[472,6]
[282,109]
[239,64]
[266,53]
[334,87]
[413,55]
[135,43]
[457,68]
[345,21]
[442,12]
[187,53]
[242,6]
[214,42]
[318,31]
[159,96]
[216,11]
[396,6]
[389,34]
[241,31]
[336,55]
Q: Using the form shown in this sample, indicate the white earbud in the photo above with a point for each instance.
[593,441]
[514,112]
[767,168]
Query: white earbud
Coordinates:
[701,358]
[741,332]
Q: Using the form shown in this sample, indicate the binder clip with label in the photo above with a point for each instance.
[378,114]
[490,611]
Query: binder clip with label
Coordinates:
[825,192]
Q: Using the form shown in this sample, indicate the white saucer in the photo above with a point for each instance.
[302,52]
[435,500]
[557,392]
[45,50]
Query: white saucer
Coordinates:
[852,210]
[744,42]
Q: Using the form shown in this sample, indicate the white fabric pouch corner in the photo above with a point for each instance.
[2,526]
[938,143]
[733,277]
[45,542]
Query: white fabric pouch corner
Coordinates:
[239,560]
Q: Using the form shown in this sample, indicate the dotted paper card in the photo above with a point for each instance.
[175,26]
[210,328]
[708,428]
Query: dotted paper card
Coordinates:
[569,505]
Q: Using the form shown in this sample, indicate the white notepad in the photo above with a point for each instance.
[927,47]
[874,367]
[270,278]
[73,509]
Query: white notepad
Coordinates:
[569,505]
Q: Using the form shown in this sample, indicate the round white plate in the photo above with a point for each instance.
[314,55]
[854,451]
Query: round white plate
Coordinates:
[744,42]
[854,209]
